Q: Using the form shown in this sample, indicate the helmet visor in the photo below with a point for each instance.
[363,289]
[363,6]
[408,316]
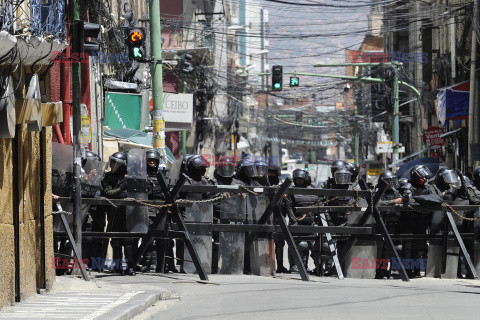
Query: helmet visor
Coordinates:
[450,177]
[392,182]
[423,172]
[250,171]
[116,164]
[300,174]
[225,171]
[343,177]
[299,181]
[261,170]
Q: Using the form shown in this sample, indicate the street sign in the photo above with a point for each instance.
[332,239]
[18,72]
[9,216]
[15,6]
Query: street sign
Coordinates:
[387,147]
[432,137]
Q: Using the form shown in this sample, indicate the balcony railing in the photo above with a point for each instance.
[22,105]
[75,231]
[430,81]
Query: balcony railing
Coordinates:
[34,17]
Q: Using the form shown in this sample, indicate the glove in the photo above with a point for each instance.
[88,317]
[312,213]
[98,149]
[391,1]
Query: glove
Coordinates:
[123,185]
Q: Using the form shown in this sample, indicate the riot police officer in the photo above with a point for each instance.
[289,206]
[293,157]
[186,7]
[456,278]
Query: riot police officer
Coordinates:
[390,197]
[353,168]
[273,174]
[227,211]
[115,187]
[302,179]
[448,184]
[195,168]
[92,247]
[412,222]
[246,171]
[335,166]
[274,171]
[261,177]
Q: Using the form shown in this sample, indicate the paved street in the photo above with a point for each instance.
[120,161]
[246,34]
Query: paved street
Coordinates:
[180,296]
[252,297]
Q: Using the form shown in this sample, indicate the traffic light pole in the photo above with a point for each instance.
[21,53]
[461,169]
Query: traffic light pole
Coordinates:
[157,77]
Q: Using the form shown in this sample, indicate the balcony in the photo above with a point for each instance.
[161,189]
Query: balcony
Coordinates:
[34,28]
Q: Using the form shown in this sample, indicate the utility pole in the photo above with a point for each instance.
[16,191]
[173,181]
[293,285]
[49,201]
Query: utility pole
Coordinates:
[77,146]
[395,125]
[472,106]
[157,77]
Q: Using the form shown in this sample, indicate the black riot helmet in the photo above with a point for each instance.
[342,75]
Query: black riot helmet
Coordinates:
[197,166]
[402,182]
[185,157]
[261,166]
[337,164]
[225,168]
[390,178]
[246,170]
[476,177]
[447,178]
[118,162]
[301,178]
[343,176]
[153,160]
[274,170]
[90,155]
[353,168]
[419,175]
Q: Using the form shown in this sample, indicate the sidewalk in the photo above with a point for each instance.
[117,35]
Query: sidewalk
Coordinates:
[73,298]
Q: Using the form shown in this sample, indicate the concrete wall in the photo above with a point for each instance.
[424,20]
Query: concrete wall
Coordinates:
[29,164]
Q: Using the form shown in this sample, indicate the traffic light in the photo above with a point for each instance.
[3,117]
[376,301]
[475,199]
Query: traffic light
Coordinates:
[186,65]
[277,78]
[135,40]
[86,29]
[294,81]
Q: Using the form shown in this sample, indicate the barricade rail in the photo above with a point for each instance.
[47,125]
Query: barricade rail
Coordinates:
[169,223]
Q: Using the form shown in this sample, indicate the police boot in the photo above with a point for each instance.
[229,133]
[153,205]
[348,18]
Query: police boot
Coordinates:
[117,252]
[316,257]
[130,253]
[279,258]
[293,267]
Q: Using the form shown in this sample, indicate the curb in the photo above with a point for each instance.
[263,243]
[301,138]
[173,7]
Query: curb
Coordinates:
[138,304]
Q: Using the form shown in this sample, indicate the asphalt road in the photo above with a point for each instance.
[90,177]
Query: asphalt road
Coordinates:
[284,297]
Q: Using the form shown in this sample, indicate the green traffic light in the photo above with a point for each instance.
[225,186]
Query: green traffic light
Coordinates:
[277,85]
[136,53]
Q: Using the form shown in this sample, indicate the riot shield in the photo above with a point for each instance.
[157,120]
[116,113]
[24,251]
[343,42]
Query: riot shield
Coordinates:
[91,177]
[137,217]
[231,248]
[174,173]
[262,250]
[201,240]
[62,180]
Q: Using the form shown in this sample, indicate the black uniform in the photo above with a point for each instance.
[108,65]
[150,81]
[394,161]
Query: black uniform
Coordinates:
[114,186]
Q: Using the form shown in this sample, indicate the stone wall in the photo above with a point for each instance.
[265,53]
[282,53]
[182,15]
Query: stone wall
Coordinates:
[29,204]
